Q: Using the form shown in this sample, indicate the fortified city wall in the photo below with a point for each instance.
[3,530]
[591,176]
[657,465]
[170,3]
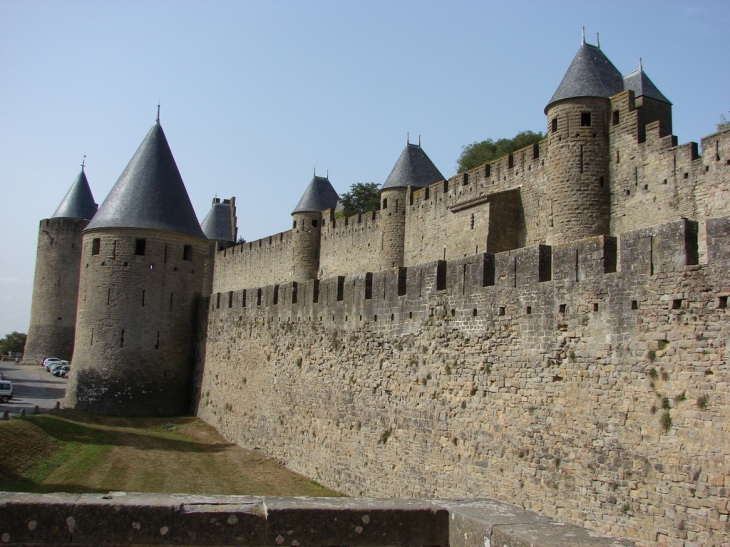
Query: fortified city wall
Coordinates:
[587,381]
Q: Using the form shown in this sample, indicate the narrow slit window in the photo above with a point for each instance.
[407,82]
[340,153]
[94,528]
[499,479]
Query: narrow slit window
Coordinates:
[615,117]
[554,124]
[95,246]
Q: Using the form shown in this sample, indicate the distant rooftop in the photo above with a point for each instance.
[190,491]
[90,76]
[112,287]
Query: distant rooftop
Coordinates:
[413,168]
[79,202]
[590,74]
[638,82]
[218,224]
[318,196]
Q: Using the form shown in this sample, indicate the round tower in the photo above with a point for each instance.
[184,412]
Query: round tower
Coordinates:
[142,267]
[578,147]
[413,168]
[56,283]
[307,225]
[219,226]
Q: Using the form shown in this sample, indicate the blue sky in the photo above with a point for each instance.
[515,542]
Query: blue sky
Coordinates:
[255,94]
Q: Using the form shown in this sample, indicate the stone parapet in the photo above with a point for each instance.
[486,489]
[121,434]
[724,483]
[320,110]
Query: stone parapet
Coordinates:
[176,519]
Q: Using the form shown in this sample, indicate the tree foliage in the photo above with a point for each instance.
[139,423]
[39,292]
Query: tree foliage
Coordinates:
[724,123]
[475,154]
[362,197]
[15,341]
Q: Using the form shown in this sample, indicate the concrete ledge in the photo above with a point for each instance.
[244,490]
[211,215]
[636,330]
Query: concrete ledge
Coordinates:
[121,518]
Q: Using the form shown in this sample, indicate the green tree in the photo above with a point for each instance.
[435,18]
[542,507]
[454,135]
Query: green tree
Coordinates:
[15,341]
[362,197]
[475,154]
[724,123]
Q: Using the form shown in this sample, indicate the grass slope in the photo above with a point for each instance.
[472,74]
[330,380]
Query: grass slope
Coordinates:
[69,451]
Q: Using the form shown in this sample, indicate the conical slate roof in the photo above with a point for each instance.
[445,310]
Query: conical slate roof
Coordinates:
[150,193]
[318,196]
[79,202]
[641,85]
[590,74]
[413,168]
[217,223]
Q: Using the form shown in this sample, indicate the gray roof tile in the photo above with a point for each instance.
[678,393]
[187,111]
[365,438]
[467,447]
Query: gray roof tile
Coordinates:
[413,168]
[150,193]
[590,74]
[217,223]
[642,86]
[318,196]
[79,202]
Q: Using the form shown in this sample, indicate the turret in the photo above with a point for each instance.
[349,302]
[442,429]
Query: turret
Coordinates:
[578,147]
[307,225]
[142,268]
[650,103]
[56,283]
[413,169]
[219,226]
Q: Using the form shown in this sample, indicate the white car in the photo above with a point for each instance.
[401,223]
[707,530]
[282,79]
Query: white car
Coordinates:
[6,391]
[48,363]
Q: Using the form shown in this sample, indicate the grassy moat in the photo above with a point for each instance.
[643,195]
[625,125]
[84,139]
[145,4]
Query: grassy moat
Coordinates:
[69,451]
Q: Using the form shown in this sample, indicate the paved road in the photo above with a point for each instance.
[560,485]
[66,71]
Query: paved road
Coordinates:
[32,386]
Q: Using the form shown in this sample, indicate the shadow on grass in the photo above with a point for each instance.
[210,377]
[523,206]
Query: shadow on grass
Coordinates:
[67,427]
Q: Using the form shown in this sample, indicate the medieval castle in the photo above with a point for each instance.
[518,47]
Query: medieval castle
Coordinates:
[549,329]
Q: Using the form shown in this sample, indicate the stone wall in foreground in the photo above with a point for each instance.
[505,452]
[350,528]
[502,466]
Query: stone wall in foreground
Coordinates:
[586,381]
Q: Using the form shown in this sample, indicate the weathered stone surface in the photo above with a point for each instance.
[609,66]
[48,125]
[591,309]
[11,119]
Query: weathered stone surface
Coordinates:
[122,518]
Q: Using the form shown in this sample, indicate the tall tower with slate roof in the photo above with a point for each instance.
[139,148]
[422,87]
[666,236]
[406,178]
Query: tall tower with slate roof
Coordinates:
[219,226]
[142,267]
[56,283]
[578,147]
[307,225]
[413,169]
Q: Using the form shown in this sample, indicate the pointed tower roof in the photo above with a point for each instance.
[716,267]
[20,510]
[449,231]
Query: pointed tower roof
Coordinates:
[642,86]
[318,196]
[79,202]
[150,193]
[590,74]
[413,168]
[217,223]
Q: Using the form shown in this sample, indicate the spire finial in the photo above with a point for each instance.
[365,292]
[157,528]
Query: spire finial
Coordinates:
[83,162]
[598,41]
[641,64]
[158,112]
[328,174]
[419,141]
[315,171]
[408,138]
[583,40]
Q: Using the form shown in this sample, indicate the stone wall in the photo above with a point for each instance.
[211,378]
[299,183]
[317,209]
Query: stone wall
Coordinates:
[587,381]
[260,262]
[55,290]
[350,245]
[655,180]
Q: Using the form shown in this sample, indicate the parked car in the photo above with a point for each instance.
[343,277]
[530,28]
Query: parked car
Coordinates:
[6,391]
[60,371]
[50,364]
[49,361]
[53,368]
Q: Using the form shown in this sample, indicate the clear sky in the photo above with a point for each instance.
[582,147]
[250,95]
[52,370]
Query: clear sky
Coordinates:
[255,94]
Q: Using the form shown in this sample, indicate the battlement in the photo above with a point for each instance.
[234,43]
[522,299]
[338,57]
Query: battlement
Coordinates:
[483,285]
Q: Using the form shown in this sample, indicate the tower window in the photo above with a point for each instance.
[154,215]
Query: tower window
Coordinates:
[139,247]
[295,224]
[188,253]
[554,125]
[585,119]
[95,246]
[385,203]
[314,223]
[615,117]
